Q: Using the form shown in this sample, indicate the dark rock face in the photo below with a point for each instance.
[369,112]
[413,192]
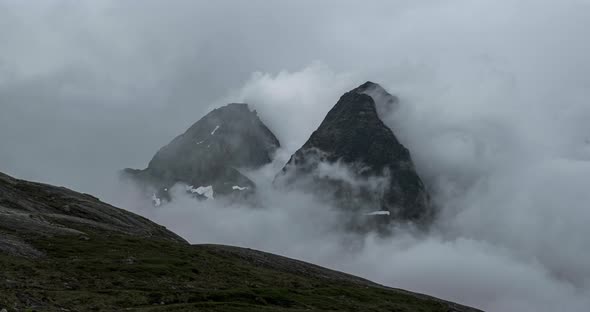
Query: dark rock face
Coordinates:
[36,209]
[355,158]
[209,152]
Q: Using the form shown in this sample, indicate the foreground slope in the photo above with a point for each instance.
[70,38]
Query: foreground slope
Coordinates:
[34,209]
[79,261]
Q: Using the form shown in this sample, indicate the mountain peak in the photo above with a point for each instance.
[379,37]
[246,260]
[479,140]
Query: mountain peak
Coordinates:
[240,107]
[367,85]
[385,103]
[209,153]
[353,136]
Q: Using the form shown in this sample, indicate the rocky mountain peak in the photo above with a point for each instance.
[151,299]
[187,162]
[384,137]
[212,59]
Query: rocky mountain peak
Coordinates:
[354,138]
[352,159]
[207,156]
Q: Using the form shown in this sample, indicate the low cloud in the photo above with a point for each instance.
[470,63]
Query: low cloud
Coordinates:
[510,234]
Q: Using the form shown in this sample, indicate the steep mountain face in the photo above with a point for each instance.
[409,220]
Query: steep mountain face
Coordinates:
[206,156]
[355,159]
[65,251]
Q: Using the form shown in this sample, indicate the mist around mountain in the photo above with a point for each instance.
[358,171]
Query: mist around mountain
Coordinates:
[352,162]
[478,175]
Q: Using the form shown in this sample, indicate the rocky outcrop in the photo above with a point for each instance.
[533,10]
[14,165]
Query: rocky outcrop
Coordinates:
[207,156]
[356,160]
[36,209]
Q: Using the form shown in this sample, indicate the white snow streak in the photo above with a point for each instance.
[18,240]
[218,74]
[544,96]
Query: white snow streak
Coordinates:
[378,213]
[206,191]
[213,132]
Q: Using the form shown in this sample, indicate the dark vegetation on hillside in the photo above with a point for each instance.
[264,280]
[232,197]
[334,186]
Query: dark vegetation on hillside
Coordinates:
[117,272]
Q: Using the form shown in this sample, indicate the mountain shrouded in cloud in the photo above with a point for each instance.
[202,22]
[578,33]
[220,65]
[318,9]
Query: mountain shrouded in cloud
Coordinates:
[207,155]
[352,161]
[379,176]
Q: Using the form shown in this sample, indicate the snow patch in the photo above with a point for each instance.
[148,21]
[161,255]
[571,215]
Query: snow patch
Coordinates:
[239,188]
[200,142]
[213,132]
[206,191]
[157,202]
[378,213]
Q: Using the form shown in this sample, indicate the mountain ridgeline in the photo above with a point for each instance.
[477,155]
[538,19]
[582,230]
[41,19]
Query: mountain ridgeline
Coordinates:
[352,160]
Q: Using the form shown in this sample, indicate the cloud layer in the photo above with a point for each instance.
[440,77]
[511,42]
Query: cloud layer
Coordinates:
[493,106]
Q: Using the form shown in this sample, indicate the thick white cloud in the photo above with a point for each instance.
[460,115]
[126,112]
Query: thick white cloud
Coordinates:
[494,108]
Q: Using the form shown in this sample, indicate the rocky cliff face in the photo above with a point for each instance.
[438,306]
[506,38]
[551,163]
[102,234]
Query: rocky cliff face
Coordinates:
[207,155]
[355,159]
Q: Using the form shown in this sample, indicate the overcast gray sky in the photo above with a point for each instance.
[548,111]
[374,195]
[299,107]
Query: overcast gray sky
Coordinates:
[494,110]
[86,82]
